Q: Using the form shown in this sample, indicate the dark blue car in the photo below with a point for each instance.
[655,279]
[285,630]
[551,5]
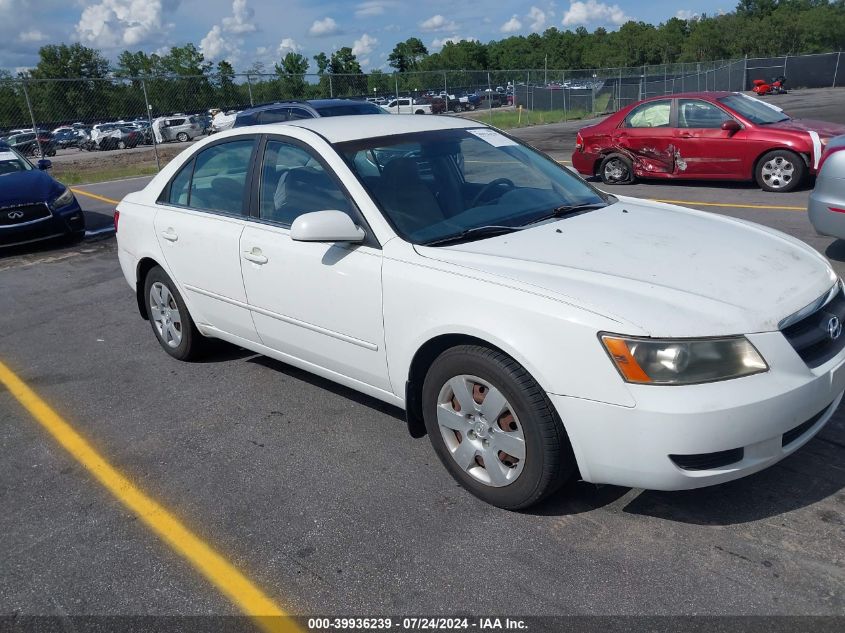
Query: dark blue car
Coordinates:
[33,205]
[311,109]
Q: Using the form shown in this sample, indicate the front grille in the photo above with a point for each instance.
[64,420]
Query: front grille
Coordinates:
[793,434]
[812,337]
[708,461]
[23,213]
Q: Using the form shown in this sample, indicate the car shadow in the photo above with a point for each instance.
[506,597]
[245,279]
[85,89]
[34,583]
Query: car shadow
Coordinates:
[733,185]
[328,385]
[836,250]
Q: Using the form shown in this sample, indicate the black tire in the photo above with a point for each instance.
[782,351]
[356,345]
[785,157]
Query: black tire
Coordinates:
[192,343]
[549,461]
[182,137]
[772,173]
[616,169]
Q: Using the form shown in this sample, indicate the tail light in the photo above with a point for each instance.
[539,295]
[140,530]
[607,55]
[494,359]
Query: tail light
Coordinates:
[830,151]
[116,220]
[579,142]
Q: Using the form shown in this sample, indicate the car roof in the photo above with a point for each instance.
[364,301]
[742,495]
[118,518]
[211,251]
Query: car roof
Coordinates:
[338,129]
[693,95]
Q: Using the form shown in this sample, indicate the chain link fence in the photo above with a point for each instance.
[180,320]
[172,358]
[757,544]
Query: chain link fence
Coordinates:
[74,120]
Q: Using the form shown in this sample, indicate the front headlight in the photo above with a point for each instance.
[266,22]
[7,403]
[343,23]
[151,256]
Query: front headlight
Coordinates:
[682,361]
[64,199]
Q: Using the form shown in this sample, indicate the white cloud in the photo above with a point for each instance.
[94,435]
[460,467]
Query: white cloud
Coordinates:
[224,39]
[454,39]
[687,14]
[288,45]
[114,23]
[594,12]
[326,26]
[364,45]
[241,19]
[373,7]
[538,19]
[32,36]
[438,23]
[512,25]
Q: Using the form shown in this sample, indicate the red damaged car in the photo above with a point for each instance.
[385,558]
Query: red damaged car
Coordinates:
[703,135]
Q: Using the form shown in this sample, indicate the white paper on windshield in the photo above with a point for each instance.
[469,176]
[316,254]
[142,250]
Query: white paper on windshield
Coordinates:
[492,137]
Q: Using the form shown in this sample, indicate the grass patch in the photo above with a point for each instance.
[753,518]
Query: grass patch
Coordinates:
[510,119]
[74,175]
[601,102]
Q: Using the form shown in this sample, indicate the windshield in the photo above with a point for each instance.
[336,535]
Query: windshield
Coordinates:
[754,110]
[12,163]
[439,184]
[363,107]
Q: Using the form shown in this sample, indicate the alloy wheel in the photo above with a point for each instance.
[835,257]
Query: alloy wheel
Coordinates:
[481,430]
[165,315]
[615,170]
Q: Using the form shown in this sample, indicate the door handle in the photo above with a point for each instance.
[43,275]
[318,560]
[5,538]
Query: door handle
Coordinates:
[255,256]
[685,135]
[170,235]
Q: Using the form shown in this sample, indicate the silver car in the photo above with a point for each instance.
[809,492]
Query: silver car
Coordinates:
[827,202]
[180,128]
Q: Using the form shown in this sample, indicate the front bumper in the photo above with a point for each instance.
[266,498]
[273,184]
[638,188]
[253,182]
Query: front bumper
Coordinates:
[65,221]
[745,418]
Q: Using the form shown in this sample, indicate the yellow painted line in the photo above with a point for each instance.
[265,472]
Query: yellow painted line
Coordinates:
[770,207]
[566,162]
[81,192]
[265,613]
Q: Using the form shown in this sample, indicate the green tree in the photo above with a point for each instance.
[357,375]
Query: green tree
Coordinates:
[291,73]
[407,55]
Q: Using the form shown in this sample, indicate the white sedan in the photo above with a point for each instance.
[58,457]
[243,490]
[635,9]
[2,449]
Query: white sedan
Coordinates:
[536,328]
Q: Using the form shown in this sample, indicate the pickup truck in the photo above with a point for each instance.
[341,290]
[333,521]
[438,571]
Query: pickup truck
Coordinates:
[406,106]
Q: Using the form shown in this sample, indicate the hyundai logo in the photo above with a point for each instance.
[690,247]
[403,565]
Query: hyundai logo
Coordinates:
[14,215]
[834,328]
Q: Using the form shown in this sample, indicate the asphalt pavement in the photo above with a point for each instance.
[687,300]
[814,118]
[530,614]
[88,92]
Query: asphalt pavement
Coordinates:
[319,497]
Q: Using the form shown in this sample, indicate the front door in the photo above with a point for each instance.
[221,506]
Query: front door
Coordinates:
[318,302]
[704,149]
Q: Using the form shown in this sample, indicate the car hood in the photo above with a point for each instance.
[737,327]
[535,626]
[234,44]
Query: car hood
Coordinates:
[666,270]
[28,186]
[824,128]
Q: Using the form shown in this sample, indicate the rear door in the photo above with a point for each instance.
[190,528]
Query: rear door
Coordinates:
[647,138]
[199,224]
[703,148]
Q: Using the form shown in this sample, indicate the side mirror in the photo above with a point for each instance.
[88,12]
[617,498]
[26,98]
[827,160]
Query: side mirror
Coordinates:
[44,164]
[325,226]
[731,126]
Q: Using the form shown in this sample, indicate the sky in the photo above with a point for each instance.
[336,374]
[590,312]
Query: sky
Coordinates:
[249,31]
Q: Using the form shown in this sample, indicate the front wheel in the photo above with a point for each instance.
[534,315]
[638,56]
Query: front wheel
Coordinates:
[493,427]
[780,171]
[616,169]
[172,324]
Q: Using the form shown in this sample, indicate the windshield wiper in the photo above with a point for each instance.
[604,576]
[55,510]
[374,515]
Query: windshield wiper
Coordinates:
[489,230]
[568,209]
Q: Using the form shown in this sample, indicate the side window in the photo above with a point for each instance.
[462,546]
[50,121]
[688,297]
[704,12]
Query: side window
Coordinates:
[180,186]
[693,113]
[651,114]
[299,113]
[278,115]
[219,180]
[293,182]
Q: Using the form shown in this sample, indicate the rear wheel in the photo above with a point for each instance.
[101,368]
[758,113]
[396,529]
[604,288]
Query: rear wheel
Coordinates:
[169,317]
[780,170]
[616,169]
[182,137]
[493,427]
[121,144]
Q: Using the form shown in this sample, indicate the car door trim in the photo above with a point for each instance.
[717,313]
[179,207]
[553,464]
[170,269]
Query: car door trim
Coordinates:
[286,319]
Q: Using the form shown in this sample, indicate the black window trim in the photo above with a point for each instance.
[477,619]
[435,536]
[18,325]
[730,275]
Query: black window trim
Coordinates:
[370,238]
[164,197]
